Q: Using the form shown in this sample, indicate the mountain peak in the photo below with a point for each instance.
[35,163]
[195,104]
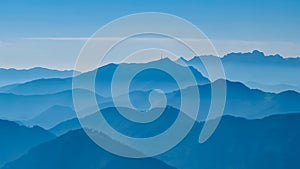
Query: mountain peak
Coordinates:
[258,53]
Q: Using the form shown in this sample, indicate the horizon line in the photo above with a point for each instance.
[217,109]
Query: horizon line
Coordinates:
[72,69]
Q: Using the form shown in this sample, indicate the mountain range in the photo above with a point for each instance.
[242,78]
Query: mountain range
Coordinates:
[258,129]
[257,68]
[272,73]
[240,102]
[15,76]
[271,142]
[19,102]
[145,80]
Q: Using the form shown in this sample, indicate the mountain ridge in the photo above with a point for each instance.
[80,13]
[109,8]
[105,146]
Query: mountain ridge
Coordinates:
[17,139]
[13,76]
[87,155]
[237,143]
[256,67]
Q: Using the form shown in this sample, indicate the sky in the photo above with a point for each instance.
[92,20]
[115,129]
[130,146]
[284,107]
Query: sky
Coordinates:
[50,33]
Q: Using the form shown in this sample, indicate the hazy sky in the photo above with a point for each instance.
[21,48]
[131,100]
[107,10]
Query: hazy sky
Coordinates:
[51,33]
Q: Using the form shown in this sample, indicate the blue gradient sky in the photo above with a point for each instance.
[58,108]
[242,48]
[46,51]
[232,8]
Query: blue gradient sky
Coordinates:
[268,25]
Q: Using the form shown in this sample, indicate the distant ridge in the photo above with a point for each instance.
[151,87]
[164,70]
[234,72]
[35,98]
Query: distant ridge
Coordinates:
[52,116]
[14,76]
[257,68]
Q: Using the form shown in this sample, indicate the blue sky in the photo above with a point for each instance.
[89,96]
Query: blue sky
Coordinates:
[269,25]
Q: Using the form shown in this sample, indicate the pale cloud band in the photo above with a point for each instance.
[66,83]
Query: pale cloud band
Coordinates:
[62,52]
[284,48]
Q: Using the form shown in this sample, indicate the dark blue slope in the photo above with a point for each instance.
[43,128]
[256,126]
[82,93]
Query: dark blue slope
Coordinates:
[15,139]
[75,150]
